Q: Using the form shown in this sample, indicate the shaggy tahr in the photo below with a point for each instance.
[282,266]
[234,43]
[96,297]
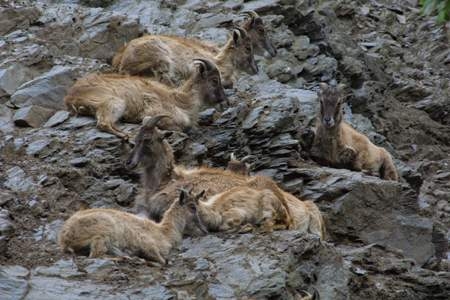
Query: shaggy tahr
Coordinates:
[166,57]
[111,97]
[339,145]
[100,231]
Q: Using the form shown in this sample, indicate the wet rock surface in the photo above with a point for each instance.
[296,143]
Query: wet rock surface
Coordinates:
[386,240]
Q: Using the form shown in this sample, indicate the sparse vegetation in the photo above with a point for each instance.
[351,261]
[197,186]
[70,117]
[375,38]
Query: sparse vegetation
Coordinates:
[441,7]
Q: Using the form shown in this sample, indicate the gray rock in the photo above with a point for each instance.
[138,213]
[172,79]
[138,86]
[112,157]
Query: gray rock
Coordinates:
[303,49]
[62,268]
[32,115]
[125,193]
[6,226]
[52,288]
[280,105]
[98,265]
[14,76]
[322,66]
[206,117]
[13,18]
[47,90]
[37,147]
[79,162]
[261,6]
[370,209]
[6,119]
[58,118]
[106,33]
[198,150]
[16,180]
[13,282]
[94,32]
[78,122]
[5,197]
[281,71]
[49,231]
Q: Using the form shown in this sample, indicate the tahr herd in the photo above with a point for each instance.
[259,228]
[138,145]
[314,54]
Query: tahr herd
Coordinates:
[163,82]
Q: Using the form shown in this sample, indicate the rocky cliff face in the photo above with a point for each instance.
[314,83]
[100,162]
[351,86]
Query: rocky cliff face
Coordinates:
[387,240]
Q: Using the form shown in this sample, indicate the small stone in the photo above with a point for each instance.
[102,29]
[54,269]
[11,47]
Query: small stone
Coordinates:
[58,118]
[33,116]
[281,71]
[79,162]
[6,226]
[124,193]
[206,117]
[37,146]
[17,181]
[49,231]
[198,149]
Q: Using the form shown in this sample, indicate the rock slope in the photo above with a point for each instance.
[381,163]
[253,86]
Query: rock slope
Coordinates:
[386,240]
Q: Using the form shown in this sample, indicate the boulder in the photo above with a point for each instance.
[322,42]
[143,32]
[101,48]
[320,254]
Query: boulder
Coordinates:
[370,209]
[47,90]
[14,76]
[32,115]
[94,32]
[13,18]
[13,282]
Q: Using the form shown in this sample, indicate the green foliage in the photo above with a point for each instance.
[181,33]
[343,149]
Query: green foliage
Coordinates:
[441,7]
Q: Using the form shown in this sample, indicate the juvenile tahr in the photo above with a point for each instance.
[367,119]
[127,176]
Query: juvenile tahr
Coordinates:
[111,97]
[242,208]
[306,216]
[339,145]
[166,57]
[99,232]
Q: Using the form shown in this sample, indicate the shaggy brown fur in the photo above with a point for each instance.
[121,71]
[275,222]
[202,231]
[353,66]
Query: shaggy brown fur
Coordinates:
[339,145]
[112,97]
[303,216]
[240,206]
[167,58]
[306,216]
[109,231]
